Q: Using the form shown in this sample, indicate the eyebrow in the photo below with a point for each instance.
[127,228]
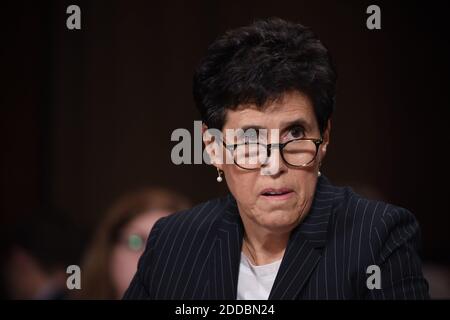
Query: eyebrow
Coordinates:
[284,125]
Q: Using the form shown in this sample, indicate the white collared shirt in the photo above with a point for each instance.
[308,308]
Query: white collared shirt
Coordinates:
[255,282]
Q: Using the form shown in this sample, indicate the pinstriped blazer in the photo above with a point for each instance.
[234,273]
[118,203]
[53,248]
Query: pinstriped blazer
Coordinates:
[195,254]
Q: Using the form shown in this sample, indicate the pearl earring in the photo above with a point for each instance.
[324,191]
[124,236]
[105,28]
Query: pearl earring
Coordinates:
[219,177]
[318,172]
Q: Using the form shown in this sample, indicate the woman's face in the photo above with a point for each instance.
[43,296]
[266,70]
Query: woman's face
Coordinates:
[294,117]
[129,248]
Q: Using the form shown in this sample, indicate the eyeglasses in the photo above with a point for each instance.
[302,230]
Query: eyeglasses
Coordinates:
[299,152]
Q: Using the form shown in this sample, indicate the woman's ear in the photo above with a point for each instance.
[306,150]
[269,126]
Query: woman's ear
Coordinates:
[212,139]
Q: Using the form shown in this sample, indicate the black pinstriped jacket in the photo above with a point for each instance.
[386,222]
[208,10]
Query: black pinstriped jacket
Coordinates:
[195,254]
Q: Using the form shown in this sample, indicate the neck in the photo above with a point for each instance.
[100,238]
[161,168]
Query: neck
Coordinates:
[263,246]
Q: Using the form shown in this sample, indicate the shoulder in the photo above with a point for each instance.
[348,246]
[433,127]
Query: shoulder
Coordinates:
[194,221]
[381,226]
[354,208]
[370,233]
[175,237]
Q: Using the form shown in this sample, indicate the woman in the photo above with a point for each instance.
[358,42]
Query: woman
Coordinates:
[111,260]
[284,232]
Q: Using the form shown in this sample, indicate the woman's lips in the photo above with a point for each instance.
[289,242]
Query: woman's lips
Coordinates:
[277,194]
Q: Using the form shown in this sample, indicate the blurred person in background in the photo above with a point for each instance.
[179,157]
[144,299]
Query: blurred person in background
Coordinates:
[111,259]
[37,254]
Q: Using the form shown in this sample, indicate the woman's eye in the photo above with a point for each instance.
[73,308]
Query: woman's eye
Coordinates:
[251,138]
[295,133]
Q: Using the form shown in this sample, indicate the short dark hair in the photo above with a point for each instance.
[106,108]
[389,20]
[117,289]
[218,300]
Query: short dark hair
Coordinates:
[257,64]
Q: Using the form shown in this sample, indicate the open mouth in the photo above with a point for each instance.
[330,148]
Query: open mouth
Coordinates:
[278,194]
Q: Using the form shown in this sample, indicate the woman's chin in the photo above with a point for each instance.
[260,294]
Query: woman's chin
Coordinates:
[278,221]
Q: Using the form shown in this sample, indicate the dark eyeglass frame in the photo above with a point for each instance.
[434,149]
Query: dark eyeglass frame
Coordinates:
[280,146]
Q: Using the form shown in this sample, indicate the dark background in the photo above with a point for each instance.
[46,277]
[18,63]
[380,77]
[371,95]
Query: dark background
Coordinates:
[87,114]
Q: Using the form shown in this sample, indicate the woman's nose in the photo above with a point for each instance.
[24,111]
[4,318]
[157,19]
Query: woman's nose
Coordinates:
[274,164]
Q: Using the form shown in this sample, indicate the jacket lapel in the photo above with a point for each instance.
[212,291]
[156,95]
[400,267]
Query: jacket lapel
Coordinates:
[305,246]
[227,253]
